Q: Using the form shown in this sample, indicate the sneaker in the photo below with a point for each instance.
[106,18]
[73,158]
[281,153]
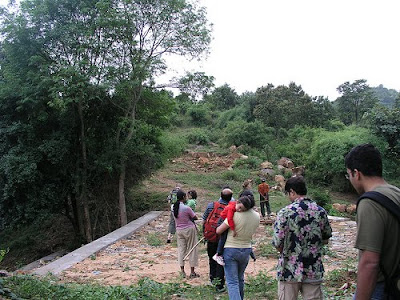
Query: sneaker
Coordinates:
[168,241]
[221,290]
[219,259]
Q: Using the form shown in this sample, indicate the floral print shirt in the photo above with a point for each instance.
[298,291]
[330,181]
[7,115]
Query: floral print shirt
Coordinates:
[300,229]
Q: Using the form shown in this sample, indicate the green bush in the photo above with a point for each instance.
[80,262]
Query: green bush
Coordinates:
[325,165]
[199,115]
[322,198]
[240,132]
[198,136]
[249,163]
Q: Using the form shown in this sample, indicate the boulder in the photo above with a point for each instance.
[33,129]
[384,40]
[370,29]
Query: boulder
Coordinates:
[280,180]
[351,209]
[232,149]
[286,162]
[339,207]
[270,173]
[298,171]
[266,165]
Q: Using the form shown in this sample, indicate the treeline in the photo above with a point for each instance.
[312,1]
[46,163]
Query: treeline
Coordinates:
[82,118]
[312,131]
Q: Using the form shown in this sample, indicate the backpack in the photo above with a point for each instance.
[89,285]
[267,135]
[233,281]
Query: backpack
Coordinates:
[392,284]
[211,224]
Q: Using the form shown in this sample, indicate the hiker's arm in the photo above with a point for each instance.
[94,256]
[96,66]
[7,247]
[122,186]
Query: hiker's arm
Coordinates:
[221,228]
[367,274]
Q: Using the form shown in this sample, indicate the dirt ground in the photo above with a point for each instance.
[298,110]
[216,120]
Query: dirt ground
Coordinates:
[131,259]
[146,254]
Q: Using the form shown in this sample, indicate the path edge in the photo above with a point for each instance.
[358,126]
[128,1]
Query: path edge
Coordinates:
[68,260]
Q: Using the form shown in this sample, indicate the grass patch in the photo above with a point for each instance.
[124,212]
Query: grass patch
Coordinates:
[153,239]
[260,286]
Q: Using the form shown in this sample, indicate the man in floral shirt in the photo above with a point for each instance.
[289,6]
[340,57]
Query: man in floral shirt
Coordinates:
[300,231]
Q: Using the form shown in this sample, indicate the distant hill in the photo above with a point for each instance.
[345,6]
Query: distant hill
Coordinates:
[386,96]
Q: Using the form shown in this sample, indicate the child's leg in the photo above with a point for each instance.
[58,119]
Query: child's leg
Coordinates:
[221,242]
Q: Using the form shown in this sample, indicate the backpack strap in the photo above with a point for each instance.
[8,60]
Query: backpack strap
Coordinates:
[394,209]
[382,200]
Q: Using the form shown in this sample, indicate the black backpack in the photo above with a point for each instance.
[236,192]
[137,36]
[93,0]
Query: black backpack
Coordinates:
[392,284]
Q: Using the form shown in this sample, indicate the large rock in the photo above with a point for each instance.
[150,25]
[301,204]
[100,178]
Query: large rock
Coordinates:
[351,209]
[286,162]
[266,165]
[280,180]
[268,173]
[339,207]
[298,171]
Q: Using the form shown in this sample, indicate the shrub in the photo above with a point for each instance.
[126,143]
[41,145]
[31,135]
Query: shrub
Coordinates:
[322,198]
[325,165]
[198,136]
[200,115]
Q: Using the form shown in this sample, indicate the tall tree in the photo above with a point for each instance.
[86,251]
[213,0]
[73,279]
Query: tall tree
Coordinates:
[223,97]
[148,31]
[357,98]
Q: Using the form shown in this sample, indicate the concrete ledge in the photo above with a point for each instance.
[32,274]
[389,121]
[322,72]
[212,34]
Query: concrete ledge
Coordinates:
[85,251]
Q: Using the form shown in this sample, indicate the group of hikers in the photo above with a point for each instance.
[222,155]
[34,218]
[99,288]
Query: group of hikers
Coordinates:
[301,229]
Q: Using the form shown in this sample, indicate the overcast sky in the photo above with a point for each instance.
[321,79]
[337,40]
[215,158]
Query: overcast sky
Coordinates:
[318,44]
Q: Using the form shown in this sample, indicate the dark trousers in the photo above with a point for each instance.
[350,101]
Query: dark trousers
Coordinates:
[221,242]
[265,203]
[216,270]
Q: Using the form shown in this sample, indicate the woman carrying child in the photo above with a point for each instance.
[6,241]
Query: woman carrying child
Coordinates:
[237,248]
[242,204]
[186,233]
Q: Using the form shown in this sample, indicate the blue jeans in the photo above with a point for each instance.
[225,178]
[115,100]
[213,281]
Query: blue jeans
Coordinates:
[379,292]
[236,260]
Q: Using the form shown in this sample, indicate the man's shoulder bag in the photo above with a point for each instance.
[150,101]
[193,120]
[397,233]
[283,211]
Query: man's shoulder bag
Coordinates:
[392,284]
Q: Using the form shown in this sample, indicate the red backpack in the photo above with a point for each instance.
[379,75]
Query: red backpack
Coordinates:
[211,224]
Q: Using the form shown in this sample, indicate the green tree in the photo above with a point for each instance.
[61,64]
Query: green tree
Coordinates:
[385,122]
[386,97]
[357,98]
[288,106]
[223,97]
[146,33]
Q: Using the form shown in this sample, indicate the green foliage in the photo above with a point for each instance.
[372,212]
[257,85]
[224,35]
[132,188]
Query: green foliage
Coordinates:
[266,249]
[385,122]
[248,163]
[198,137]
[285,107]
[3,252]
[172,144]
[325,164]
[321,197]
[387,97]
[357,98]
[240,132]
[223,97]
[297,144]
[153,239]
[199,115]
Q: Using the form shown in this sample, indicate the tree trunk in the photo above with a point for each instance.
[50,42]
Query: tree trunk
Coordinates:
[121,189]
[83,195]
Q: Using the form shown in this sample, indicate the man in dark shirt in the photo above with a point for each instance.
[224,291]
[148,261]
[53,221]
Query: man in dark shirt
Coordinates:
[216,270]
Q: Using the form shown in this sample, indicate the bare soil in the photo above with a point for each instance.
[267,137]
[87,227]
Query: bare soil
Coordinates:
[129,260]
[146,253]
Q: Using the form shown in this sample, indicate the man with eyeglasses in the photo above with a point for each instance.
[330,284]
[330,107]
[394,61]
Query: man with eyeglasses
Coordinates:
[300,231]
[378,231]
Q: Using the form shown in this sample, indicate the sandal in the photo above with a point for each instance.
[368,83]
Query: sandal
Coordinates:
[194,275]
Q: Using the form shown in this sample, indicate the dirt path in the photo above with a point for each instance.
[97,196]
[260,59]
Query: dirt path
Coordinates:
[131,259]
